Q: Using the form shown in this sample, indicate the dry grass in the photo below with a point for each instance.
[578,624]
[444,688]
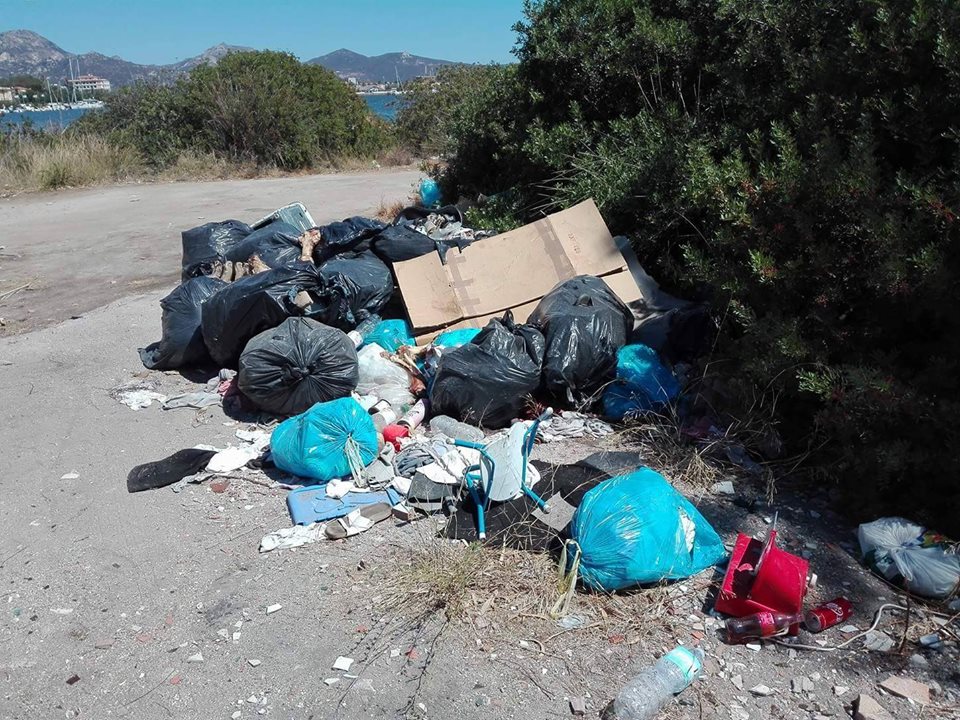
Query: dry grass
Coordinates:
[387,211]
[396,157]
[66,162]
[190,165]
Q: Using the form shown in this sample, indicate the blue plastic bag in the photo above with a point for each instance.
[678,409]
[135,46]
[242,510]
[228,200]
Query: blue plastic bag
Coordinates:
[456,338]
[643,383]
[429,193]
[391,334]
[636,529]
[314,444]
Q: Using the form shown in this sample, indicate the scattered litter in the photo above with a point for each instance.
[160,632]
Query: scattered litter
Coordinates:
[909,555]
[578,706]
[761,691]
[140,399]
[254,663]
[195,658]
[877,641]
[73,680]
[724,487]
[291,537]
[343,663]
[646,693]
[331,681]
[70,476]
[271,609]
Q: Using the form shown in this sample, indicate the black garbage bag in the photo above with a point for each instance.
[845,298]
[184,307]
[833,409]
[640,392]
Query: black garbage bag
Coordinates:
[287,369]
[277,244]
[486,381]
[353,233]
[256,303]
[208,244]
[584,324]
[358,285]
[181,344]
[401,242]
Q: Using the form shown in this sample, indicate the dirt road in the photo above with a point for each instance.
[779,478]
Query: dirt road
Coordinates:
[81,249]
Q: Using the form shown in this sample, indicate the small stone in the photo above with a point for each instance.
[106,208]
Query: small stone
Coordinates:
[395,653]
[224,633]
[578,706]
[104,645]
[815,676]
[839,690]
[919,661]
[724,488]
[524,644]
[737,681]
[73,680]
[738,713]
[331,681]
[849,629]
[481,701]
[866,708]
[271,609]
[69,476]
[791,654]
[761,691]
[236,715]
[254,662]
[756,647]
[931,641]
[343,663]
[252,699]
[807,684]
[907,688]
[877,641]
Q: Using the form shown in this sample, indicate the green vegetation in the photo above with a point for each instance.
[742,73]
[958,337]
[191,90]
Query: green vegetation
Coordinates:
[261,107]
[796,163]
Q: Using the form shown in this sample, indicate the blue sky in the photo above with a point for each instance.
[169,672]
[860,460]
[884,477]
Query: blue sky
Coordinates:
[164,31]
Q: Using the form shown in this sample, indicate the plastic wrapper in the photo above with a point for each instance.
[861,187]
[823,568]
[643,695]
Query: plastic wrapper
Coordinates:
[584,324]
[255,303]
[208,244]
[181,344]
[320,443]
[383,379]
[391,335]
[643,384]
[487,381]
[908,555]
[300,362]
[636,529]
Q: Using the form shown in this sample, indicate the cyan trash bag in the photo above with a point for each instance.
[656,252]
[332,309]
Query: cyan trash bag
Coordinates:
[643,383]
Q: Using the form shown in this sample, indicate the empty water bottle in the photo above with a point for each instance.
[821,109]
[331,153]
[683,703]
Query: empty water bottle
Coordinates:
[645,694]
[359,334]
[456,430]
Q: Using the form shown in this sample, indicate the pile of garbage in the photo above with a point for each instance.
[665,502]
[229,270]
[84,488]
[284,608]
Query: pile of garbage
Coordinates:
[415,364]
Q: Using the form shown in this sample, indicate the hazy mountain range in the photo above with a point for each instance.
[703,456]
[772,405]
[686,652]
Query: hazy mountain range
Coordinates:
[24,52]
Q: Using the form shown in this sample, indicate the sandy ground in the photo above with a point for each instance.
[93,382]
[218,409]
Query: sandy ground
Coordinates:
[81,249]
[105,596]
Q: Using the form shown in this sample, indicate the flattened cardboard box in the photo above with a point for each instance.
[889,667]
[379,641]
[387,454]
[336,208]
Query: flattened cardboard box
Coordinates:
[513,270]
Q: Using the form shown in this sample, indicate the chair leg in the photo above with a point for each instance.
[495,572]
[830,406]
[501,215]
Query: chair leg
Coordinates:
[481,521]
[541,503]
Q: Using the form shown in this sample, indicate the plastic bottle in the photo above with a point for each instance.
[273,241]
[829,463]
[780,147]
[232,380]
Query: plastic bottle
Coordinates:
[760,625]
[382,415]
[359,334]
[455,429]
[414,416]
[645,694]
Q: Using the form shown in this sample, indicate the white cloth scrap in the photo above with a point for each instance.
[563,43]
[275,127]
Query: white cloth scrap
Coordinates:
[291,537]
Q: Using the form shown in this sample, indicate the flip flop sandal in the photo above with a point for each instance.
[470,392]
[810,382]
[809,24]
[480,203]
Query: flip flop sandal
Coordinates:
[363,518]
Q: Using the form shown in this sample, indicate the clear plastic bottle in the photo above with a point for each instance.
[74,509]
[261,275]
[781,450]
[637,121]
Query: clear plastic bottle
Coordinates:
[359,335]
[456,430]
[646,693]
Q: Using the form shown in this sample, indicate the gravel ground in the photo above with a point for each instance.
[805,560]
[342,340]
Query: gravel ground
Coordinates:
[109,598]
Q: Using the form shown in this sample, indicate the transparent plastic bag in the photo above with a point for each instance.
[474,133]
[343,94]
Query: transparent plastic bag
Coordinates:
[896,549]
[384,379]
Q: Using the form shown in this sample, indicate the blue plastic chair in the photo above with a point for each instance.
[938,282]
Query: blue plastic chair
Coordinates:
[473,476]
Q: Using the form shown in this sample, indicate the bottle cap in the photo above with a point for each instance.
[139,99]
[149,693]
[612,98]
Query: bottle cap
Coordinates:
[689,663]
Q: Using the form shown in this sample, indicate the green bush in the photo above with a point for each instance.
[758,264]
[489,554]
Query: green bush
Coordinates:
[260,107]
[798,164]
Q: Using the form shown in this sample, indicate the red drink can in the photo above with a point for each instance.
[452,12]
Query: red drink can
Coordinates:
[828,614]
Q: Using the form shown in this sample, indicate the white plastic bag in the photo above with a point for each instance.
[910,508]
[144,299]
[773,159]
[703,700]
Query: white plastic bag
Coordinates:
[383,378]
[893,547]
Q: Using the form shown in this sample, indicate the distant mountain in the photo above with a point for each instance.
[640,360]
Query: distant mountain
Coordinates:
[24,52]
[379,68]
[210,56]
